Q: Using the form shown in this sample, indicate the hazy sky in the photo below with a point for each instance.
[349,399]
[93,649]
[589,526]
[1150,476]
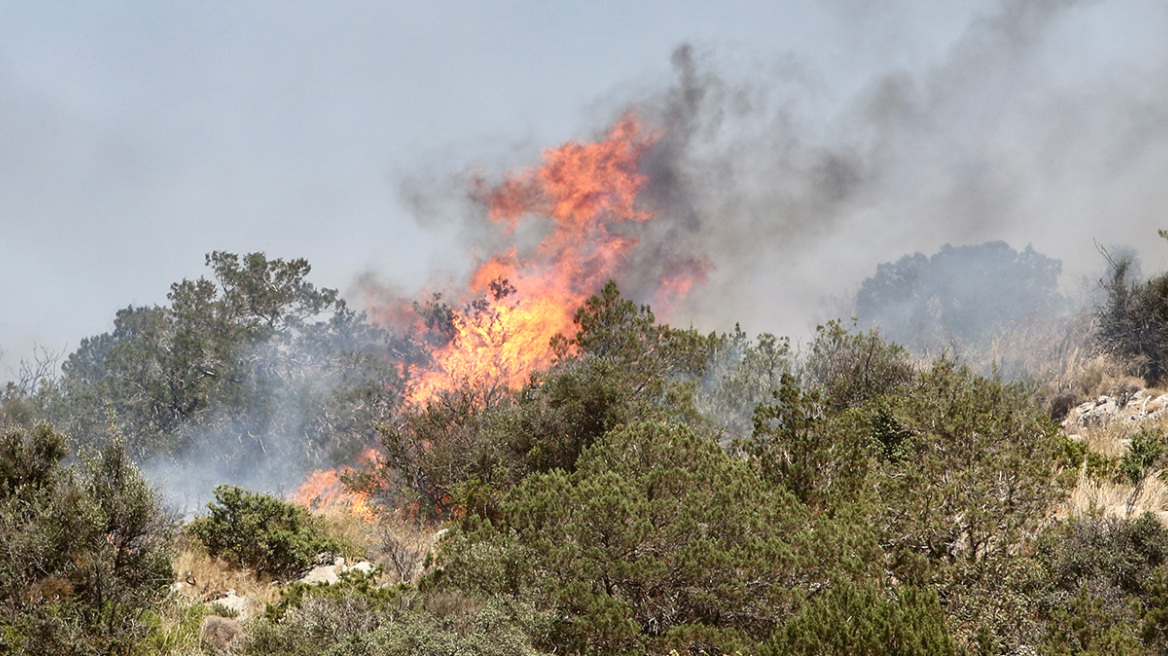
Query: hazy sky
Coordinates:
[137,136]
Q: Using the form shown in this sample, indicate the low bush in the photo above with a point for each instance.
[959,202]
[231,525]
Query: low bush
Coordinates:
[86,549]
[259,531]
[849,619]
[1148,452]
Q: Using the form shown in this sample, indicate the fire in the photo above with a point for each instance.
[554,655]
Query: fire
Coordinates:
[581,194]
[582,198]
[325,489]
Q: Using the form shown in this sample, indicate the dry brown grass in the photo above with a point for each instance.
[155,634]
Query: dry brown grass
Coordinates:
[360,533]
[205,578]
[399,545]
[402,547]
[1111,439]
[1120,499]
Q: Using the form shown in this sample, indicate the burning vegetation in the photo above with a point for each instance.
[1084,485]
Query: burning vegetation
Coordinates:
[536,463]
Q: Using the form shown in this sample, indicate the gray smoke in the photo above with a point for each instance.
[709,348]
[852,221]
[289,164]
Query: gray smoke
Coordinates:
[1033,128]
[796,199]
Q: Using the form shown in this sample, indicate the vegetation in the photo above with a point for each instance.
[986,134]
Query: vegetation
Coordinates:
[255,366]
[1133,321]
[962,293]
[86,549]
[261,532]
[653,491]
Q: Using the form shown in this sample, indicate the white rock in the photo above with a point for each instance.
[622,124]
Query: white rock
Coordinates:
[324,574]
[365,567]
[241,605]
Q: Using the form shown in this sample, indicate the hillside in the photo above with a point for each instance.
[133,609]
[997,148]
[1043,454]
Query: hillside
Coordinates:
[647,490]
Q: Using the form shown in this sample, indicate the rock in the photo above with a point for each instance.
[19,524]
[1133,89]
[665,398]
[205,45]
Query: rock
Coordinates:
[365,567]
[220,633]
[326,574]
[233,602]
[1157,405]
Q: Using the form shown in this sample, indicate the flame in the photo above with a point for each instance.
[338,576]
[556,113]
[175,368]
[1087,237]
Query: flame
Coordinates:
[582,198]
[325,489]
[584,191]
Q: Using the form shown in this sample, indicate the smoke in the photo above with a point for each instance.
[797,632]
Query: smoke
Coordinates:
[783,192]
[796,198]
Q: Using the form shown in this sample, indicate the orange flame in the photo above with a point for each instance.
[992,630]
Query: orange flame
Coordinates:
[585,190]
[579,198]
[325,489]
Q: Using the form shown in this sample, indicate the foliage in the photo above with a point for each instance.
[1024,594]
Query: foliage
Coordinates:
[1148,452]
[657,534]
[848,620]
[1133,319]
[354,617]
[796,445]
[977,467]
[960,292]
[1110,557]
[261,532]
[86,548]
[1084,628]
[231,367]
[853,367]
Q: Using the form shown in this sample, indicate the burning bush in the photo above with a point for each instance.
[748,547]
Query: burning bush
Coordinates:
[470,444]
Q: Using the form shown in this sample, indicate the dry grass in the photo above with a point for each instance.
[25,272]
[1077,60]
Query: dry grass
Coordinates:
[1110,439]
[402,548]
[399,545]
[360,533]
[1120,499]
[205,578]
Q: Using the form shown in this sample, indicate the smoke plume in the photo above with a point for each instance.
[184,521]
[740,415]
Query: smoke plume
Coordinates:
[779,193]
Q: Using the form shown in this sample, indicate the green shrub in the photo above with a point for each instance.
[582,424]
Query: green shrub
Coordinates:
[1133,319]
[656,538]
[86,549]
[262,532]
[851,367]
[976,466]
[350,622]
[1148,452]
[849,620]
[1084,627]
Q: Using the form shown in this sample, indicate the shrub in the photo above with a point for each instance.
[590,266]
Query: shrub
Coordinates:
[262,532]
[800,446]
[86,549]
[1084,628]
[1148,452]
[1112,557]
[849,619]
[657,535]
[976,466]
[1133,319]
[355,619]
[850,368]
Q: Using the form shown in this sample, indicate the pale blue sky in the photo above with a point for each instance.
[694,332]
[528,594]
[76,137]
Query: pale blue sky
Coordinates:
[137,136]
